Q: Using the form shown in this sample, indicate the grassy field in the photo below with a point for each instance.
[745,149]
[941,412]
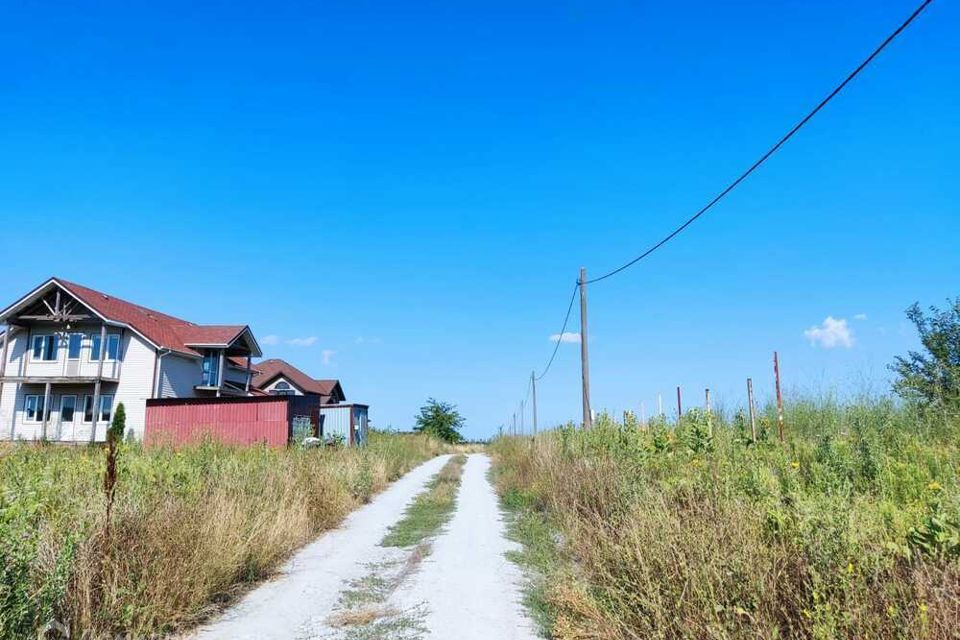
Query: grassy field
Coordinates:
[191,528]
[851,529]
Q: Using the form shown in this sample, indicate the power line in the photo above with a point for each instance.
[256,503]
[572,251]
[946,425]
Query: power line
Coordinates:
[563,330]
[772,149]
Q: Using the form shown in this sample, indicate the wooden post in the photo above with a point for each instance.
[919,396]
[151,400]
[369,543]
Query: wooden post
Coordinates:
[776,375]
[679,407]
[753,411]
[97,384]
[584,355]
[533,383]
[706,402]
[46,410]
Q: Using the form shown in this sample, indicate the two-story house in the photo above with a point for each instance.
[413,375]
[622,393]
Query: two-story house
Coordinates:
[69,355]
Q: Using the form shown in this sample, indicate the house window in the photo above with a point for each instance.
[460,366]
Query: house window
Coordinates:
[113,346]
[74,343]
[33,407]
[211,368]
[282,388]
[45,347]
[68,408]
[106,408]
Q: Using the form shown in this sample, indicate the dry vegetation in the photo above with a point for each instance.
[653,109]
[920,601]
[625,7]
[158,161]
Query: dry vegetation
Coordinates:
[191,528]
[849,530]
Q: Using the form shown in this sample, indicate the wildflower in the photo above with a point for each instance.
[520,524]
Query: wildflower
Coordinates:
[795,464]
[922,606]
[849,568]
[934,486]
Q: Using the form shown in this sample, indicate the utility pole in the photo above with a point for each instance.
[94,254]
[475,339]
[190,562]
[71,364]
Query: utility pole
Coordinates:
[533,383]
[514,429]
[584,356]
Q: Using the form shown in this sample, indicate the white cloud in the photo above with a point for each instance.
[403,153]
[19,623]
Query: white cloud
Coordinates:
[566,336]
[327,355]
[830,334]
[302,342]
[363,340]
[860,316]
[270,340]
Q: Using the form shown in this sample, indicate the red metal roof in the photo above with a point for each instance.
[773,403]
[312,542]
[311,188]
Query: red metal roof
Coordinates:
[163,330]
[268,370]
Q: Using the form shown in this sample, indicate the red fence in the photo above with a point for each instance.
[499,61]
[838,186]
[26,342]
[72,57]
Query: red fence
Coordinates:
[264,419]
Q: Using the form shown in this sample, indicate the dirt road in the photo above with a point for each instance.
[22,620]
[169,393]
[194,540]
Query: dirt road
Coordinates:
[347,586]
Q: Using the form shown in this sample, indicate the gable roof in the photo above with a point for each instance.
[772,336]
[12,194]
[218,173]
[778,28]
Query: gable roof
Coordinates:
[164,331]
[269,370]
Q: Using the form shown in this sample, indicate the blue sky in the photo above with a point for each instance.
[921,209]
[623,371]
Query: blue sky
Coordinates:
[402,194]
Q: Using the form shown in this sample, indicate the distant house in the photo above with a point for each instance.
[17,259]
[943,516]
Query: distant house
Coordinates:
[70,354]
[280,378]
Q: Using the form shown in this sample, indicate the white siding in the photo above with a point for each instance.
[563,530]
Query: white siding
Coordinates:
[136,383]
[133,389]
[179,375]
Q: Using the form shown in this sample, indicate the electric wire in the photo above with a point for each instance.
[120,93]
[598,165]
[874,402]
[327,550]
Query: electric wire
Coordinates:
[772,150]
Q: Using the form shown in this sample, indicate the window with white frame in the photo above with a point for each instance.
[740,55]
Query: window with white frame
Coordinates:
[113,346]
[45,347]
[33,408]
[211,368]
[282,388]
[106,408]
[74,344]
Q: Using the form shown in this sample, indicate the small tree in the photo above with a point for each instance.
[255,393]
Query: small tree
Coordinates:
[441,420]
[933,376]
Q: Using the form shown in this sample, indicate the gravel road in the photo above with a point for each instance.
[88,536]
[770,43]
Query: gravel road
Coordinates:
[470,589]
[460,586]
[308,586]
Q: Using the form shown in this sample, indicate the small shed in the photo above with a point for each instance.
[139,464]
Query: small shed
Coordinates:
[347,421]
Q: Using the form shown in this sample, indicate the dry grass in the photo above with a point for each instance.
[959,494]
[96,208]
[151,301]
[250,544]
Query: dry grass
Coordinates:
[851,530]
[191,528]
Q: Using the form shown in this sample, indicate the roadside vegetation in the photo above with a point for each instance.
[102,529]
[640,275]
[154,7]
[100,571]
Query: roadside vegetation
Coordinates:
[431,509]
[848,529]
[190,528]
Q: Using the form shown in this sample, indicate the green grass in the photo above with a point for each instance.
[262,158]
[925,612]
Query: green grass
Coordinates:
[191,527]
[430,510]
[850,529]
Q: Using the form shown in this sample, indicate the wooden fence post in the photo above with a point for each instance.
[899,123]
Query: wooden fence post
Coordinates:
[753,411]
[776,375]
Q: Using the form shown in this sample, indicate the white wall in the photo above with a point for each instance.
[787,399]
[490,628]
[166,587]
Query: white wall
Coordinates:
[136,383]
[179,375]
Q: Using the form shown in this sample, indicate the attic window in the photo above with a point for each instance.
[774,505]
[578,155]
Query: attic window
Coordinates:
[282,388]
